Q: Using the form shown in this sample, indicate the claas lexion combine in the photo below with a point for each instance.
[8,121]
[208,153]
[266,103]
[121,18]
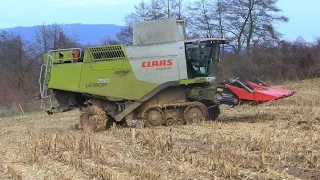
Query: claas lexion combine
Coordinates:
[162,79]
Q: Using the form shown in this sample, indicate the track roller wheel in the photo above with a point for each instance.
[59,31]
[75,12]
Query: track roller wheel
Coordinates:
[93,119]
[214,112]
[180,122]
[154,117]
[195,113]
[170,122]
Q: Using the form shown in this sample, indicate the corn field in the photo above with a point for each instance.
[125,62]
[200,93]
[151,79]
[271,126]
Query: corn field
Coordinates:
[276,140]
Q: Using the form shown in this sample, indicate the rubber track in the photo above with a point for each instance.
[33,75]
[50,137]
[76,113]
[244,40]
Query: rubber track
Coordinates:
[184,105]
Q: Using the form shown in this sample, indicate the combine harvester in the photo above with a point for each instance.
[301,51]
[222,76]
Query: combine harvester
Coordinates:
[163,79]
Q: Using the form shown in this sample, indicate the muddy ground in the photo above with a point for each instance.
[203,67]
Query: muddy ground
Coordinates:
[276,140]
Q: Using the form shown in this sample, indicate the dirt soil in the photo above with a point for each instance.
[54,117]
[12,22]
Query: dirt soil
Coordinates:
[275,140]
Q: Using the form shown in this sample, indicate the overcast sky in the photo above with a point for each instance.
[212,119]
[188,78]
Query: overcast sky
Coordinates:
[304,15]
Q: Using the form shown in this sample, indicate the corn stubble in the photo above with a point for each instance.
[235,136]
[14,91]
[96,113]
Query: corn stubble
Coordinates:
[277,140]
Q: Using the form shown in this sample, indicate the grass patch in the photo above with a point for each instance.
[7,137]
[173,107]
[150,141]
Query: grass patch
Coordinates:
[18,110]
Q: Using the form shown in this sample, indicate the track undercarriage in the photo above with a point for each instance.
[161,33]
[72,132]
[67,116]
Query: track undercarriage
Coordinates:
[94,118]
[169,107]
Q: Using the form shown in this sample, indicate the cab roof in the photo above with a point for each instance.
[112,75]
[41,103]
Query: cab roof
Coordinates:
[221,40]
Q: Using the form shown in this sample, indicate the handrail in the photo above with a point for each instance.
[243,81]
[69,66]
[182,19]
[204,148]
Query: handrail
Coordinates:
[61,50]
[40,83]
[46,70]
[69,49]
[65,59]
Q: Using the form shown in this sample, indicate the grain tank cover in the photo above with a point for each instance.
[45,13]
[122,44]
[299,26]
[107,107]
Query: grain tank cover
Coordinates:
[159,31]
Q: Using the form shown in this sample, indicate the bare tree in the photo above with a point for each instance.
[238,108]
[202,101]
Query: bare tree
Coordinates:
[202,21]
[14,59]
[125,35]
[248,21]
[179,10]
[170,8]
[49,37]
[108,41]
[153,10]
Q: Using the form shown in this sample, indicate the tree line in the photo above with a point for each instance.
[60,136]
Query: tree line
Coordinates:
[255,47]
[243,22]
[20,62]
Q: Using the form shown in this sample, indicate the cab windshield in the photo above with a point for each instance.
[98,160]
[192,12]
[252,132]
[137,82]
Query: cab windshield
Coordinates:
[202,58]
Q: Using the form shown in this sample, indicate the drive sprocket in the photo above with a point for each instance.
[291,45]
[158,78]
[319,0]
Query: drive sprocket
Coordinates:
[93,119]
[195,113]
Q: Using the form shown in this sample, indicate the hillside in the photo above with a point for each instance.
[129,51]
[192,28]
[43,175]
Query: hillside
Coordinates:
[276,140]
[87,33]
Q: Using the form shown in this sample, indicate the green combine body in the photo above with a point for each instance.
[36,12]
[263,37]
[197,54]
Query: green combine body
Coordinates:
[105,71]
[163,78]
